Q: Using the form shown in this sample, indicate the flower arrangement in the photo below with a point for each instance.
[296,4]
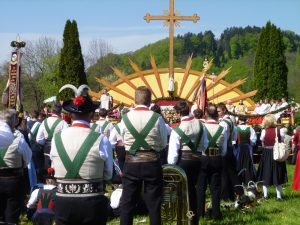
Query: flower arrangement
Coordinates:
[170,116]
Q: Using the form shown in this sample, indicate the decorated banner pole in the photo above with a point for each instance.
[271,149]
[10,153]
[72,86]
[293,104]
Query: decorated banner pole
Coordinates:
[12,96]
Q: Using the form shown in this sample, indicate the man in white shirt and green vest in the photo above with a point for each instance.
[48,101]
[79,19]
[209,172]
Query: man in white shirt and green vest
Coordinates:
[102,125]
[144,135]
[211,162]
[229,173]
[185,147]
[13,159]
[82,160]
[47,129]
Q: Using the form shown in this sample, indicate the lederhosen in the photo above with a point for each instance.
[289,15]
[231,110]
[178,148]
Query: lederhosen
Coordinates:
[44,214]
[79,201]
[47,146]
[190,162]
[210,173]
[12,188]
[141,167]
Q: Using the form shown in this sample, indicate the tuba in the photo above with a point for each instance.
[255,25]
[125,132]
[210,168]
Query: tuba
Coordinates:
[175,203]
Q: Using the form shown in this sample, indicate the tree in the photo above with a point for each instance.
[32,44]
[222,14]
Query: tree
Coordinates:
[71,64]
[97,49]
[270,69]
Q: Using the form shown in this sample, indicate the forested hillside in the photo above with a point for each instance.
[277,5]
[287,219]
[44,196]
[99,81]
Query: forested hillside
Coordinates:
[236,47]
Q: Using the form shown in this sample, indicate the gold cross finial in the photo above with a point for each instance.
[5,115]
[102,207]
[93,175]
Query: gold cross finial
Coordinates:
[172,18]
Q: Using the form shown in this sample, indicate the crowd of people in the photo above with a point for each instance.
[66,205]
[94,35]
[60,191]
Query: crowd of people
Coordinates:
[74,152]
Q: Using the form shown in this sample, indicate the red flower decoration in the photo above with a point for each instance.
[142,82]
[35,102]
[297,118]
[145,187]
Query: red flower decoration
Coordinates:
[79,101]
[50,170]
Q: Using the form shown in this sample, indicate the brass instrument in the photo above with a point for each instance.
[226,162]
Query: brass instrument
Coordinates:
[175,204]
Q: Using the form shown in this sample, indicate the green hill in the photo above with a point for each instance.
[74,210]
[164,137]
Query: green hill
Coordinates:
[236,47]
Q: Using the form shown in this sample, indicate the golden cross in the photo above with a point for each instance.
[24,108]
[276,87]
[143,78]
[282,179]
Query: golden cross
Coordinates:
[171,19]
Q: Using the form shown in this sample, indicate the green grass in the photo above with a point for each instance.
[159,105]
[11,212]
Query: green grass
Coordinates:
[266,212]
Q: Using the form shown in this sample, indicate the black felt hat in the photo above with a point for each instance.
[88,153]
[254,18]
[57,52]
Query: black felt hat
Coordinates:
[80,105]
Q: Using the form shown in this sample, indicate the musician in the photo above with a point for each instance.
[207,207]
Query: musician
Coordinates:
[229,173]
[185,146]
[47,129]
[104,126]
[144,135]
[211,162]
[82,160]
[14,158]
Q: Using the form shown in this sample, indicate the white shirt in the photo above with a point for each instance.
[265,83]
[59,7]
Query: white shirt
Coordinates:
[193,108]
[161,123]
[32,202]
[174,145]
[105,151]
[114,137]
[264,108]
[23,148]
[6,135]
[40,137]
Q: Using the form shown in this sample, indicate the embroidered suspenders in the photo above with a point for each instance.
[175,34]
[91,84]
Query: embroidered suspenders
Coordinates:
[94,126]
[105,125]
[2,155]
[187,140]
[140,137]
[74,166]
[50,132]
[118,129]
[212,140]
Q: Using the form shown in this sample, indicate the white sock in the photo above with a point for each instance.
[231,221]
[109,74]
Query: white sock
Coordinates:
[265,190]
[279,191]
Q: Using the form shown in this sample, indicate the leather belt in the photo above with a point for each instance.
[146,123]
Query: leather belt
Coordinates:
[189,155]
[212,152]
[79,188]
[11,172]
[142,156]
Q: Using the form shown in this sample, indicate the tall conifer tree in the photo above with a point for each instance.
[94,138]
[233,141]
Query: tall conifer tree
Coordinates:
[270,70]
[71,64]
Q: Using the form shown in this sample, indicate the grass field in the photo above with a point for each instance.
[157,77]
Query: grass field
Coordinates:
[266,212]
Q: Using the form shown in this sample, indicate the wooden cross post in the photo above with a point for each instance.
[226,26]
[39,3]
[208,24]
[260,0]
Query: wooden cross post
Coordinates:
[171,18]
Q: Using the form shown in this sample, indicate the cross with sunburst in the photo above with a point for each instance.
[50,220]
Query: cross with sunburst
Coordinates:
[171,19]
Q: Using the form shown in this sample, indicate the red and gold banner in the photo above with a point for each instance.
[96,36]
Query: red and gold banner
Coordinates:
[14,81]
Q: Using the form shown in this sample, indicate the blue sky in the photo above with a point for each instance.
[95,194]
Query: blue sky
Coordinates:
[120,22]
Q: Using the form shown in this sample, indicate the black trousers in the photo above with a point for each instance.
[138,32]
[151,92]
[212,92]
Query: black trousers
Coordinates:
[11,198]
[39,162]
[192,170]
[121,154]
[81,210]
[210,173]
[135,175]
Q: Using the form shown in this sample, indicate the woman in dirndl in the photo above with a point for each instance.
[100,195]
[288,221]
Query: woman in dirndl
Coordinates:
[271,172]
